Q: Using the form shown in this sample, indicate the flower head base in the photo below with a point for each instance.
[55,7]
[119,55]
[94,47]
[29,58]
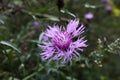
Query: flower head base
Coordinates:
[60,44]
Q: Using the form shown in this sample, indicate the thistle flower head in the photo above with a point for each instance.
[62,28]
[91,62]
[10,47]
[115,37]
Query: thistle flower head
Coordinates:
[61,40]
[61,45]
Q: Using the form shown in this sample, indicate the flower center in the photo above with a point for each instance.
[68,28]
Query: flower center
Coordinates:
[62,40]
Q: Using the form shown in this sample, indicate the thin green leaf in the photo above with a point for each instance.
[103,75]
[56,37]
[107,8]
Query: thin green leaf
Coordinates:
[41,36]
[69,13]
[10,45]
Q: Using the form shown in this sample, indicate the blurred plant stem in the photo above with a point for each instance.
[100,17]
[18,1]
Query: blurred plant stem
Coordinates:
[47,16]
[9,61]
[33,74]
[60,5]
[70,4]
[70,70]
[59,15]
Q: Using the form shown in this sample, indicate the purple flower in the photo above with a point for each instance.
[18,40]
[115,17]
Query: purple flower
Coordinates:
[104,1]
[61,44]
[89,16]
[36,24]
[108,8]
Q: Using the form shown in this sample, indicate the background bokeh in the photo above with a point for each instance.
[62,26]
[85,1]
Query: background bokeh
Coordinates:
[23,21]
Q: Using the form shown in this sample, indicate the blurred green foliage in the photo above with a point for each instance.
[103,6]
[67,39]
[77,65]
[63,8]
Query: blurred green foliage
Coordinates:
[19,53]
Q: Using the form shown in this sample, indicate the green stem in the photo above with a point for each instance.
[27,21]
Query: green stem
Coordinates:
[59,15]
[31,75]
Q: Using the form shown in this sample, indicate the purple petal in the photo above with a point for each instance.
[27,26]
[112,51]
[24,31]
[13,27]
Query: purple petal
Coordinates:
[72,25]
[79,31]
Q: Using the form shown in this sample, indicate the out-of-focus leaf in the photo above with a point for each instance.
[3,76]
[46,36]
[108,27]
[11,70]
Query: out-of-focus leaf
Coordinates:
[114,47]
[53,18]
[40,37]
[34,41]
[39,40]
[47,16]
[1,21]
[11,78]
[50,17]
[116,11]
[33,74]
[67,12]
[52,70]
[70,78]
[41,10]
[10,45]
[18,2]
[87,62]
[92,6]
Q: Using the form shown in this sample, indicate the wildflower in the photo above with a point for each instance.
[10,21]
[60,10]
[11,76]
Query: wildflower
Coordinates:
[104,1]
[89,16]
[61,44]
[108,8]
[36,24]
